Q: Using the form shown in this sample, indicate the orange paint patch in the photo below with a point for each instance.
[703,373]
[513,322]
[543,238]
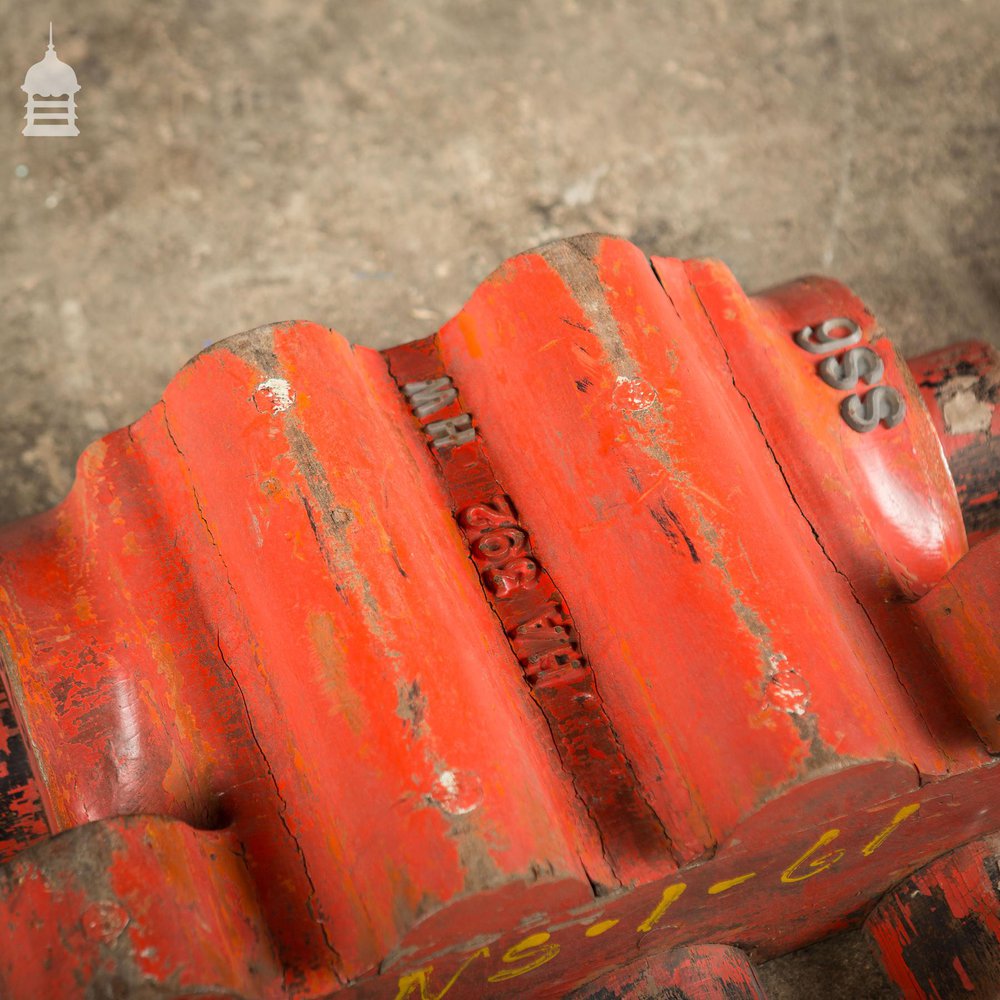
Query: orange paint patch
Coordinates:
[82,609]
[331,678]
[469,335]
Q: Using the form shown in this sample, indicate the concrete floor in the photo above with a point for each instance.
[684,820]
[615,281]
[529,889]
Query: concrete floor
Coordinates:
[365,164]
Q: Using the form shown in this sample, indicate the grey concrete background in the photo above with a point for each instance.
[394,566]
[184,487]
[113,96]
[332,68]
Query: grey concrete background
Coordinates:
[365,164]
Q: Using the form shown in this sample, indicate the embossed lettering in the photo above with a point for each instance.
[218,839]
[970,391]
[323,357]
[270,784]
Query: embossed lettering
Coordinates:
[516,575]
[555,670]
[451,432]
[497,512]
[881,405]
[499,545]
[844,371]
[818,339]
[545,633]
[426,398]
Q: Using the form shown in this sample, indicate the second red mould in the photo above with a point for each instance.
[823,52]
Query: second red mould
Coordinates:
[960,386]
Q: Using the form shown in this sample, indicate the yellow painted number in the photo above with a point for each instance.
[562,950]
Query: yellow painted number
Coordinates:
[793,872]
[533,950]
[670,895]
[421,979]
[879,839]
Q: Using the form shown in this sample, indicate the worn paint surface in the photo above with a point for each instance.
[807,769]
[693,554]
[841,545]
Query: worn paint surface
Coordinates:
[705,972]
[938,932]
[960,386]
[585,626]
[22,818]
[953,616]
[109,909]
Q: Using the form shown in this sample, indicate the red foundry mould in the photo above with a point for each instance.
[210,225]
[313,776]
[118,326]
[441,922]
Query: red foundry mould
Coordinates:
[626,612]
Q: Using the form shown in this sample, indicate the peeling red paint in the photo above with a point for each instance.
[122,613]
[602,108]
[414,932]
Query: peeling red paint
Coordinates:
[586,625]
[938,931]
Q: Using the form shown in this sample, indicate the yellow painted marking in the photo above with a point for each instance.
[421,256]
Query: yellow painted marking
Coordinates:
[595,929]
[817,865]
[714,890]
[533,948]
[420,980]
[876,842]
[670,895]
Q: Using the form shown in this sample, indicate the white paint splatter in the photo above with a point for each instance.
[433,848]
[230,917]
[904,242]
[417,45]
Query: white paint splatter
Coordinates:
[961,407]
[633,394]
[786,690]
[277,391]
[258,535]
[789,697]
[457,792]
